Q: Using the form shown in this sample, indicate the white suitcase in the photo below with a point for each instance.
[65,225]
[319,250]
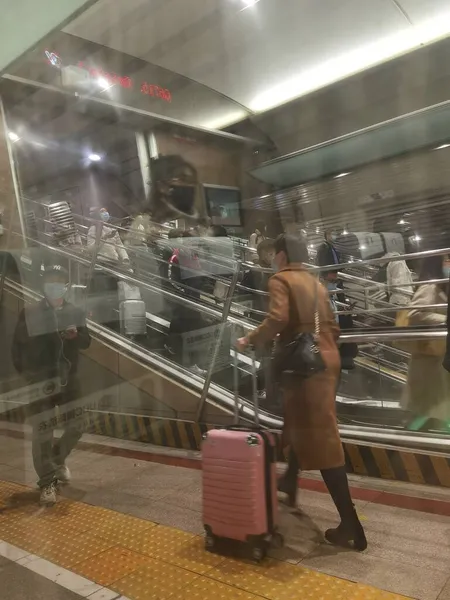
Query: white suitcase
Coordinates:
[133,320]
[127,291]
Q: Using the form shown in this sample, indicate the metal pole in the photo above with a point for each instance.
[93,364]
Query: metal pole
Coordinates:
[223,325]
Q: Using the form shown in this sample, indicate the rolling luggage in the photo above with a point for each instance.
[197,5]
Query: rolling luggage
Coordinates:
[240,484]
[128,291]
[133,320]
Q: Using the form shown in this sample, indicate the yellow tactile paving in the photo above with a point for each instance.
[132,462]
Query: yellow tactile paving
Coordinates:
[110,566]
[145,561]
[156,581]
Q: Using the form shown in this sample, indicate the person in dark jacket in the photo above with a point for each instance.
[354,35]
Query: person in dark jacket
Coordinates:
[328,255]
[45,351]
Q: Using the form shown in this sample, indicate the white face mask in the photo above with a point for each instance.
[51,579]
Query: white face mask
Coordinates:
[55,291]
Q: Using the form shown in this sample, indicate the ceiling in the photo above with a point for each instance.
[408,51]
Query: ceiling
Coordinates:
[263,53]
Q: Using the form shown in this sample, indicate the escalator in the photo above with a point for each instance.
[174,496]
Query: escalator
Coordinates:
[368,397]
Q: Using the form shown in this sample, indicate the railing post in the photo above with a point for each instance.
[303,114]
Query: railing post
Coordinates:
[223,325]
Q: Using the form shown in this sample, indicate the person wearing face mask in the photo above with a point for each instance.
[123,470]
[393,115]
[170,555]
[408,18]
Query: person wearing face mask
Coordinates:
[310,422]
[111,248]
[45,351]
[328,255]
[427,392]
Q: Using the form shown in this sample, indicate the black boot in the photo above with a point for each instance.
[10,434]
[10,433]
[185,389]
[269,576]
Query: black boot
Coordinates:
[288,483]
[348,535]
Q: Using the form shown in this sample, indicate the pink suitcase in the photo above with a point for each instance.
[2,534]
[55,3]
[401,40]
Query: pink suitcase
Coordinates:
[240,487]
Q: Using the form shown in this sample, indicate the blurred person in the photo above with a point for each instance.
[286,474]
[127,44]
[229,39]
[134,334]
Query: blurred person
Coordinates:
[310,423]
[185,275]
[47,340]
[111,248]
[258,235]
[175,189]
[398,274]
[427,392]
[328,255]
[257,279]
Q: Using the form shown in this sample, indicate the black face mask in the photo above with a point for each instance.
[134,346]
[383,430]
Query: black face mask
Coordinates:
[182,198]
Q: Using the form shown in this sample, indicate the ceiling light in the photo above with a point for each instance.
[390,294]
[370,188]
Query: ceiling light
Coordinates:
[350,63]
[94,157]
[401,222]
[103,83]
[362,247]
[341,175]
[13,136]
[345,232]
[225,120]
[442,146]
[249,3]
[417,238]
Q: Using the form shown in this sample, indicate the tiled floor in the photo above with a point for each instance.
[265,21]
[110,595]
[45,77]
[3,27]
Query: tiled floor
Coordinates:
[136,549]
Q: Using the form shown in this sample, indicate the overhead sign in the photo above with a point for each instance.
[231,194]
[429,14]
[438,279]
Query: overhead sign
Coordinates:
[24,23]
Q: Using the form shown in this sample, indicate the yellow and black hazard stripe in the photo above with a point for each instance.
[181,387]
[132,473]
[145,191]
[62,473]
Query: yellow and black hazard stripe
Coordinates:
[398,464]
[395,464]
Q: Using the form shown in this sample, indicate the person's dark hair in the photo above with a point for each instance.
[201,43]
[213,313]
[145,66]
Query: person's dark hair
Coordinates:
[431,268]
[261,226]
[265,246]
[167,167]
[293,247]
[217,231]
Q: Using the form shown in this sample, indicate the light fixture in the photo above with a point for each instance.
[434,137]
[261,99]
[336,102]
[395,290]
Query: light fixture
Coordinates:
[417,238]
[401,222]
[93,157]
[13,136]
[442,146]
[225,120]
[341,175]
[346,64]
[345,232]
[363,247]
[249,3]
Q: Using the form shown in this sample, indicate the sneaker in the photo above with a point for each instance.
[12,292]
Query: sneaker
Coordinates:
[63,474]
[198,371]
[48,495]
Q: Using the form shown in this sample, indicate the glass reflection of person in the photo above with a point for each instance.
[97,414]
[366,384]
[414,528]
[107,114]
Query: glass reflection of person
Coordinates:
[47,340]
[427,391]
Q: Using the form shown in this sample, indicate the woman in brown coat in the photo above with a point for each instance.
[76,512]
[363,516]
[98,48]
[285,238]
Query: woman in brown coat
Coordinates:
[309,404]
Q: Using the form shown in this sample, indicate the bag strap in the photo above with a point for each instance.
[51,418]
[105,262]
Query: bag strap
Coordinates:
[316,310]
[316,305]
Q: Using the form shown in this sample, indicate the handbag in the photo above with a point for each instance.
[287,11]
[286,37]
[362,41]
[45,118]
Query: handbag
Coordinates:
[302,356]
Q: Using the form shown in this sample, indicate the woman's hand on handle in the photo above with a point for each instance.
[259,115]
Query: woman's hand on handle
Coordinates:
[242,344]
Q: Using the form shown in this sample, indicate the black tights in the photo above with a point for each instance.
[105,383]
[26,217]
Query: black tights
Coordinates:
[336,481]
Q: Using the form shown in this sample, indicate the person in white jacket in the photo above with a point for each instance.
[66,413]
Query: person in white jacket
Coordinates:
[398,275]
[111,247]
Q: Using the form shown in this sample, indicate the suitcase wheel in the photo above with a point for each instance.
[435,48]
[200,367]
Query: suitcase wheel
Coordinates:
[210,542]
[277,540]
[258,552]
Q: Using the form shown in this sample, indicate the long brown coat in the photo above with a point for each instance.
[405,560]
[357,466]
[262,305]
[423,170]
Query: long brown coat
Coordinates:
[309,404]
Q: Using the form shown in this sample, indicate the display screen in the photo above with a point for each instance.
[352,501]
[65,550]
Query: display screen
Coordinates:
[224,205]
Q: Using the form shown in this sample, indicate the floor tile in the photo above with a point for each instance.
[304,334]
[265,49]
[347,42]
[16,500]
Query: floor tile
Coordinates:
[12,552]
[62,577]
[155,581]
[109,566]
[399,578]
[445,592]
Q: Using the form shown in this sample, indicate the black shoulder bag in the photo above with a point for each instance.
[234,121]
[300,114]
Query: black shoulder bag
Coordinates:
[301,356]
